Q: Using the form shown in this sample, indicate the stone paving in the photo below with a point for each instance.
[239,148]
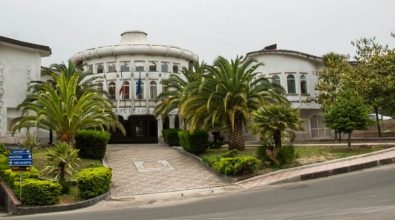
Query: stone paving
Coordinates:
[154,168]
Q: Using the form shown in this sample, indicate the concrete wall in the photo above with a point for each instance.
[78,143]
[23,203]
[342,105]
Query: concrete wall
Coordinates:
[18,67]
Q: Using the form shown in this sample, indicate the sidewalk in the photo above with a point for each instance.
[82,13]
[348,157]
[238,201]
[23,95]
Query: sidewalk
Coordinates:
[322,169]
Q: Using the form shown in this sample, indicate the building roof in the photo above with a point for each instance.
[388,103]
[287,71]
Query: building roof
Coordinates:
[287,52]
[44,50]
[135,43]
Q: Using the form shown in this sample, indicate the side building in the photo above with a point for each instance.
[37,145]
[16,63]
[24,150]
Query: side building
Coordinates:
[20,63]
[296,72]
[131,72]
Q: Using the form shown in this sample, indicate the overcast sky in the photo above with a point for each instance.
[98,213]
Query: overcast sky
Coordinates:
[207,27]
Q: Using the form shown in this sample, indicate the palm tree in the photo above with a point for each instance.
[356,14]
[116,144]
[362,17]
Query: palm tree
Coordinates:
[67,102]
[175,93]
[272,121]
[228,94]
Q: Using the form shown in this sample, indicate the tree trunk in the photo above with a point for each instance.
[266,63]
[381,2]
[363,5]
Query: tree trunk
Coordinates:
[277,139]
[376,110]
[349,140]
[236,140]
[340,136]
[62,171]
[50,137]
[336,135]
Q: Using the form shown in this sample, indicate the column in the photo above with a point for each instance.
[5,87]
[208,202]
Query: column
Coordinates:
[171,121]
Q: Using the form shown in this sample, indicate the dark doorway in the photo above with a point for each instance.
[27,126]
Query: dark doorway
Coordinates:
[139,129]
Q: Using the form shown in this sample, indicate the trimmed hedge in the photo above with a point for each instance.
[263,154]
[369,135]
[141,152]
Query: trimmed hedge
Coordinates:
[195,142]
[236,166]
[170,136]
[92,143]
[93,182]
[11,177]
[38,192]
[3,150]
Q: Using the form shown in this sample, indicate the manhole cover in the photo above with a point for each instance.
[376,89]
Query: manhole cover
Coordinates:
[153,166]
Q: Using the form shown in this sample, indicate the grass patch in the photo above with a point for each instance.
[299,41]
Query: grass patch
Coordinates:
[305,154]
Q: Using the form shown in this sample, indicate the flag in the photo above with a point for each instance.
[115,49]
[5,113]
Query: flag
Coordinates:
[122,91]
[139,91]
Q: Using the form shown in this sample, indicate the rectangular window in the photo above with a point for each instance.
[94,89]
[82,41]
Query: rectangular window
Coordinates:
[125,66]
[139,66]
[111,67]
[165,67]
[152,66]
[176,68]
[99,68]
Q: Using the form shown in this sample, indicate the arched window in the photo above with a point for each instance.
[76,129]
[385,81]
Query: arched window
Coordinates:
[276,80]
[100,85]
[291,84]
[139,90]
[152,90]
[303,84]
[124,91]
[111,90]
[100,68]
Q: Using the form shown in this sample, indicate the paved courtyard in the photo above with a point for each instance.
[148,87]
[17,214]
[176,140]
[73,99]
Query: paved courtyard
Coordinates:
[154,168]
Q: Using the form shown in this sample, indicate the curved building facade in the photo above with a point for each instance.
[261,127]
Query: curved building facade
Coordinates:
[131,71]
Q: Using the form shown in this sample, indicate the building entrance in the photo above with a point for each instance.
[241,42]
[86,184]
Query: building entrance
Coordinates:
[139,129]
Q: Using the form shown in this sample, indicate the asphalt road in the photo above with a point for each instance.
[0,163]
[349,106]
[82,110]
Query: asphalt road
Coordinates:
[368,194]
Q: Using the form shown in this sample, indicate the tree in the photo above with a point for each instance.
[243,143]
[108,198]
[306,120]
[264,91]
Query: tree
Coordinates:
[62,161]
[331,80]
[67,102]
[348,114]
[175,92]
[274,121]
[228,94]
[373,78]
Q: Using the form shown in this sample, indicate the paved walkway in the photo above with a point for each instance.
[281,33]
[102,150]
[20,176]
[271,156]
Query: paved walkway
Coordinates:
[322,169]
[154,168]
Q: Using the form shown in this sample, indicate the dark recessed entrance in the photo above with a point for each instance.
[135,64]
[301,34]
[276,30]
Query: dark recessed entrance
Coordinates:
[139,129]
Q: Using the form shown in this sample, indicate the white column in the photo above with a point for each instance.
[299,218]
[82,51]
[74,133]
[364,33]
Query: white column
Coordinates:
[160,126]
[171,121]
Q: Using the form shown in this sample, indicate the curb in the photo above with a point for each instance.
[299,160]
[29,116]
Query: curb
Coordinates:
[25,210]
[154,197]
[328,172]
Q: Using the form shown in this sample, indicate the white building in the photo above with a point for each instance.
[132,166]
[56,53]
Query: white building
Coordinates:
[20,63]
[296,73]
[121,67]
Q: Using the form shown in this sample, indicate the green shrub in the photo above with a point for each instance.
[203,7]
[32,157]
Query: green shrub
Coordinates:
[38,192]
[93,182]
[286,155]
[195,142]
[231,153]
[170,136]
[10,177]
[4,150]
[92,143]
[235,166]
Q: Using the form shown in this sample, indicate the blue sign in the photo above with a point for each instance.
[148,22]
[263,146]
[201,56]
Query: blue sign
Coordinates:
[20,151]
[20,158]
[20,163]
